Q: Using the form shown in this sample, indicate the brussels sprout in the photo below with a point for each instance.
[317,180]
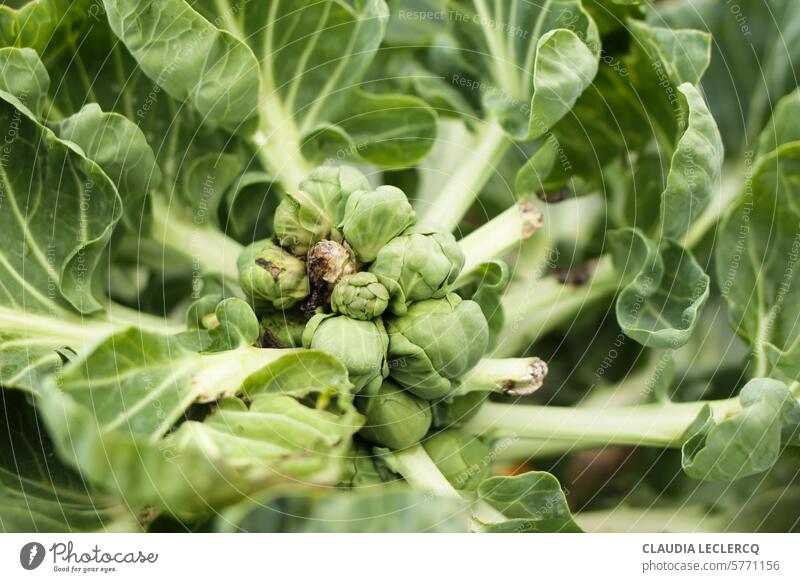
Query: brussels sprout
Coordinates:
[359,345]
[282,329]
[417,266]
[434,343]
[458,410]
[372,219]
[361,469]
[462,458]
[394,418]
[268,273]
[309,215]
[360,296]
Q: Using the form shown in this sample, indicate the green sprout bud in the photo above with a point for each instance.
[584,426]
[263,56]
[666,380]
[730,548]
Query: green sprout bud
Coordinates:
[394,418]
[462,458]
[360,296]
[372,219]
[458,410]
[417,266]
[359,345]
[282,329]
[268,273]
[434,343]
[310,214]
[361,469]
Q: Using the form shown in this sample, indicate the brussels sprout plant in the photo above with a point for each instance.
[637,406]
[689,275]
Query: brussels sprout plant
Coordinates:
[298,266]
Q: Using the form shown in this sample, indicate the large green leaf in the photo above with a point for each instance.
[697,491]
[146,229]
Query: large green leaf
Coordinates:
[532,503]
[390,509]
[747,443]
[120,148]
[756,48]
[113,416]
[664,289]
[634,101]
[189,57]
[526,62]
[23,75]
[57,215]
[312,56]
[40,494]
[756,256]
[694,169]
[42,24]
[50,242]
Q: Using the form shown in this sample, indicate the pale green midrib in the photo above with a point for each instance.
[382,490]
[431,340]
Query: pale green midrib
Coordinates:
[28,370]
[29,290]
[494,41]
[45,487]
[59,325]
[311,115]
[277,141]
[225,372]
[26,233]
[291,95]
[130,411]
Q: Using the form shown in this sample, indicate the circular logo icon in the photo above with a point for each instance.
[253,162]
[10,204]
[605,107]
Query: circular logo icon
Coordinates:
[31,555]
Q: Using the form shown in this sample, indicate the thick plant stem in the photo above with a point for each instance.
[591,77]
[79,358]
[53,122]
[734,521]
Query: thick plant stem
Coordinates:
[533,311]
[497,237]
[463,188]
[509,376]
[660,425]
[421,472]
[208,249]
[694,519]
[278,144]
[121,316]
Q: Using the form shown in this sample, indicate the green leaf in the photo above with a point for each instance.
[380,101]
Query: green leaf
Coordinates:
[313,55]
[487,284]
[57,215]
[116,416]
[42,24]
[23,75]
[120,148]
[391,509]
[142,383]
[385,130]
[747,443]
[684,54]
[756,45]
[38,493]
[634,101]
[48,242]
[536,59]
[189,57]
[783,127]
[664,289]
[206,181]
[756,260]
[249,206]
[694,169]
[533,503]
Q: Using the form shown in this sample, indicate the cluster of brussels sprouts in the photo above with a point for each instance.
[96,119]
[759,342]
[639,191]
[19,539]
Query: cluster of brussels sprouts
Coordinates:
[350,274]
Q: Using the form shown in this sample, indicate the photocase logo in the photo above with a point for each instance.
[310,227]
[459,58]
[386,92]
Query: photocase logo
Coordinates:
[31,555]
